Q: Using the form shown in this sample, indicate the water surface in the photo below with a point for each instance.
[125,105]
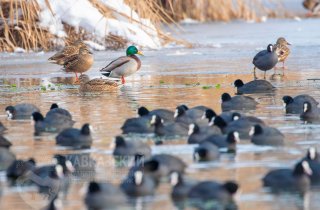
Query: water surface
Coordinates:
[169,77]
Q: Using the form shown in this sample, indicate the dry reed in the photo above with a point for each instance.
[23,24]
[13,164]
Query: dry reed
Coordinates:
[19,23]
[19,26]
[210,10]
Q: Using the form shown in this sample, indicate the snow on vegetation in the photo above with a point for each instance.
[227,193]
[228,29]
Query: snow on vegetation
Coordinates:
[125,22]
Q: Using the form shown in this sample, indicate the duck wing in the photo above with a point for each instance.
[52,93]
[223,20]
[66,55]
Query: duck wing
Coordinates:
[64,54]
[70,61]
[116,63]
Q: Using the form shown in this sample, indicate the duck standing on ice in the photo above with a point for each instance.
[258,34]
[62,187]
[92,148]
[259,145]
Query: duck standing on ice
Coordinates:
[123,66]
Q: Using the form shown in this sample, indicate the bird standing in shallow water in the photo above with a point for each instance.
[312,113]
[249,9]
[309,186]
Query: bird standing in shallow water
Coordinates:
[75,58]
[79,63]
[73,49]
[282,50]
[123,66]
[265,60]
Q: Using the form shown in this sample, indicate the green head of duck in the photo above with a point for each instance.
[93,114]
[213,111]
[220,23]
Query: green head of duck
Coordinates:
[132,50]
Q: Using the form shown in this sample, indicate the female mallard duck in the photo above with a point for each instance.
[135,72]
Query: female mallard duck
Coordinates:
[282,50]
[95,85]
[123,66]
[79,63]
[73,49]
[313,6]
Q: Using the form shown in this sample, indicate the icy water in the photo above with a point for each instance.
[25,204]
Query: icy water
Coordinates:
[169,77]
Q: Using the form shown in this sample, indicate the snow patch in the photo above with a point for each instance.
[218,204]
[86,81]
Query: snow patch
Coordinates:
[82,14]
[19,50]
[95,46]
[189,21]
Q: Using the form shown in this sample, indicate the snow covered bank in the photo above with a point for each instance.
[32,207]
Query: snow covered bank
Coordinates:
[82,14]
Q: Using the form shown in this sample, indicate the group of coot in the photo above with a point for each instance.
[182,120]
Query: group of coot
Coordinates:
[211,133]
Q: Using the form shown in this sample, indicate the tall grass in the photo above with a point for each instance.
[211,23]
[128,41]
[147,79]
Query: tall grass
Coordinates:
[202,10]
[19,21]
[19,26]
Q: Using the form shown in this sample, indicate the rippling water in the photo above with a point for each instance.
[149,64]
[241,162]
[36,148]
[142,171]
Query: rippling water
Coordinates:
[169,77]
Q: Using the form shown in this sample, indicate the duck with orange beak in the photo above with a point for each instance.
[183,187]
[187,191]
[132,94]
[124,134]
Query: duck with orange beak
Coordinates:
[123,66]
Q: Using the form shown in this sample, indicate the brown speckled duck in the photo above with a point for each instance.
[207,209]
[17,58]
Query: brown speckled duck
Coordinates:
[313,6]
[73,49]
[123,66]
[95,85]
[79,63]
[282,50]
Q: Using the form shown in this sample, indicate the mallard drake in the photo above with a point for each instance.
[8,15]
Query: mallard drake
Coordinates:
[265,60]
[282,50]
[312,5]
[79,63]
[123,66]
[73,49]
[95,85]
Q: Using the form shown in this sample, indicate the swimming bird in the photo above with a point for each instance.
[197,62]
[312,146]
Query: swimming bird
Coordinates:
[255,86]
[160,166]
[198,134]
[21,111]
[206,151]
[130,148]
[68,51]
[265,60]
[55,109]
[228,141]
[242,126]
[289,180]
[282,50]
[264,135]
[180,187]
[295,105]
[96,85]
[237,102]
[103,195]
[79,63]
[52,123]
[123,66]
[310,114]
[168,130]
[165,114]
[227,117]
[207,192]
[75,138]
[139,184]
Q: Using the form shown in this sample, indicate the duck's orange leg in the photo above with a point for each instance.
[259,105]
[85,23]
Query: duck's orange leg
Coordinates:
[77,78]
[123,80]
